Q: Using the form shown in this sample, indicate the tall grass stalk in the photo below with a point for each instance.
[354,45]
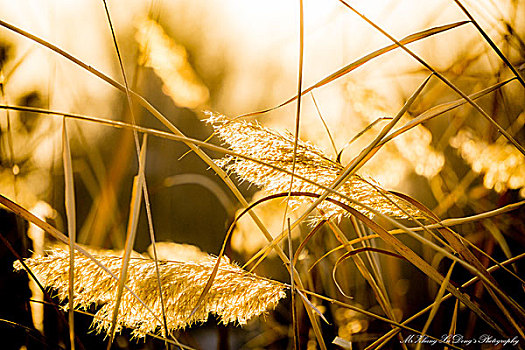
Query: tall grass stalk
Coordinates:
[71,223]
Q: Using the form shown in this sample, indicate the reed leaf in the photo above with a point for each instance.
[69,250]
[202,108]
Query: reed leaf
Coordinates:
[135,205]
[441,77]
[361,61]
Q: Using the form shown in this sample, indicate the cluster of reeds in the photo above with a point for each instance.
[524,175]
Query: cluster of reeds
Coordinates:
[374,268]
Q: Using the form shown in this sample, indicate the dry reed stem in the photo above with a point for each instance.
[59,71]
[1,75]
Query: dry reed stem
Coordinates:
[255,141]
[236,295]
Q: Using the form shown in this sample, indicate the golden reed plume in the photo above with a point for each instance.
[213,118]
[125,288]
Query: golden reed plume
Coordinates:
[263,144]
[501,163]
[235,296]
[170,62]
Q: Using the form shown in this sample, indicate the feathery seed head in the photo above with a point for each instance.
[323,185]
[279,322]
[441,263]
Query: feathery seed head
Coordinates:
[235,296]
[260,143]
[170,62]
[502,164]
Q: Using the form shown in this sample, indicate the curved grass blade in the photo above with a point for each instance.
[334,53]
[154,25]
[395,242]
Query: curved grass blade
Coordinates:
[372,276]
[441,109]
[491,43]
[441,77]
[446,297]
[355,252]
[25,214]
[358,63]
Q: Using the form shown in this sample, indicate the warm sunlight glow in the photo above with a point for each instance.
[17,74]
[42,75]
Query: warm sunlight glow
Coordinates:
[169,60]
[387,133]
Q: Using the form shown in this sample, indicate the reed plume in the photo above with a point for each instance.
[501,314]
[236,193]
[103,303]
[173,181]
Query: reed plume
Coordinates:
[236,295]
[276,149]
[170,62]
[501,163]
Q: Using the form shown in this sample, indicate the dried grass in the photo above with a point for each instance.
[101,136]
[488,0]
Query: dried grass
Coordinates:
[275,149]
[236,295]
